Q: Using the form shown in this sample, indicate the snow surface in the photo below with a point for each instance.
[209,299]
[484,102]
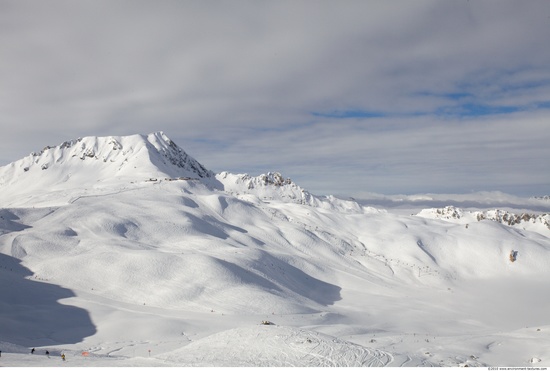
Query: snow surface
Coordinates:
[129,250]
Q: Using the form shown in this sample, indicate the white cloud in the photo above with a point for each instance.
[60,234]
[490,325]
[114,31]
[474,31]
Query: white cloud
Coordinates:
[249,76]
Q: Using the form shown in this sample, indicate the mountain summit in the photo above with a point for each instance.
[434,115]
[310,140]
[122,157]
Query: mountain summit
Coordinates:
[86,161]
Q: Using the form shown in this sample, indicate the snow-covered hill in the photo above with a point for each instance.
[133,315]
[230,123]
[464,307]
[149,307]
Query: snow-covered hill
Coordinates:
[138,256]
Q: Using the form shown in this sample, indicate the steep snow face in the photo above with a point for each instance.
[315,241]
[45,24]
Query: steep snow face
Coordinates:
[92,161]
[173,160]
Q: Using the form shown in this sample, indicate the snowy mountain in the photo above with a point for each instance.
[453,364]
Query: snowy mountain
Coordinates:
[525,221]
[95,161]
[139,256]
[274,187]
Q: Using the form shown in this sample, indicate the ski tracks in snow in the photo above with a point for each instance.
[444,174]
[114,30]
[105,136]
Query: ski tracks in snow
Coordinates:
[277,346]
[301,348]
[337,353]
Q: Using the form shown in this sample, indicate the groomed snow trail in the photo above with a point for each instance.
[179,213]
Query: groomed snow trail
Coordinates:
[276,346]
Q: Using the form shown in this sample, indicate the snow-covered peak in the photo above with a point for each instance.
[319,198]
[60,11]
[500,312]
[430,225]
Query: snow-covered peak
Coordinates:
[86,161]
[444,213]
[272,186]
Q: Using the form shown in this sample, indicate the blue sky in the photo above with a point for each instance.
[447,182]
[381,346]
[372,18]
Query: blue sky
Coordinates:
[343,97]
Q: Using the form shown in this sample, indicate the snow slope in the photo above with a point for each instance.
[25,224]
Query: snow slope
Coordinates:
[152,260]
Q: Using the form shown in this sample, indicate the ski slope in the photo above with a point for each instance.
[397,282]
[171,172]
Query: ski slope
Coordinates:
[171,265]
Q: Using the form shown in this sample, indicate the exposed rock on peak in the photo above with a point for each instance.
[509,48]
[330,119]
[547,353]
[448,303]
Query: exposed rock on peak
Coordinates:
[520,220]
[84,162]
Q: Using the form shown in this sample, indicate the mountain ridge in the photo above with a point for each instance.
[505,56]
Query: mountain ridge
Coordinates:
[526,221]
[95,162]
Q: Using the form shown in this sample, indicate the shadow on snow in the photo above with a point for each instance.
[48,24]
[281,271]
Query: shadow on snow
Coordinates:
[30,311]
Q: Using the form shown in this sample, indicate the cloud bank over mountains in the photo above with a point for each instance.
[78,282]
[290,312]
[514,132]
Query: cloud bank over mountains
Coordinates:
[345,98]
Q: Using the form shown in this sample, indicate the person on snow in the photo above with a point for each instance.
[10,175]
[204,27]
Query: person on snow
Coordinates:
[63,356]
[48,354]
[32,351]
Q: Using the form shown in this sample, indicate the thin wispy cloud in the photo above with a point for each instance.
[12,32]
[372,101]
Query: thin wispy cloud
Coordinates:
[343,97]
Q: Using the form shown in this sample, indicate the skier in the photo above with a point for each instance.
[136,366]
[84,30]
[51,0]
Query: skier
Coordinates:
[32,351]
[63,356]
[0,354]
[48,354]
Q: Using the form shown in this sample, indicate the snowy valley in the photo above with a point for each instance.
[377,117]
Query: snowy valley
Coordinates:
[126,251]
